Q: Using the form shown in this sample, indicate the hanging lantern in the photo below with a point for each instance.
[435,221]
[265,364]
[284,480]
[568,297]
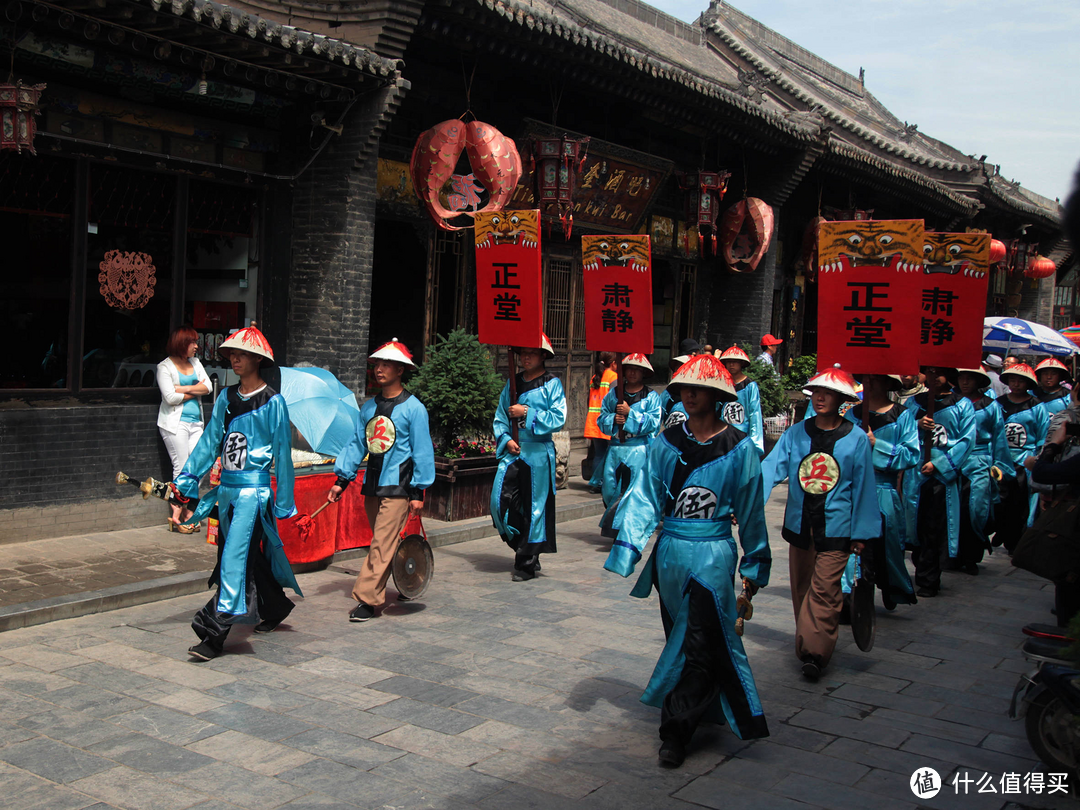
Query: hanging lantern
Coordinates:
[1040,267]
[18,111]
[997,251]
[555,164]
[493,157]
[745,233]
[704,190]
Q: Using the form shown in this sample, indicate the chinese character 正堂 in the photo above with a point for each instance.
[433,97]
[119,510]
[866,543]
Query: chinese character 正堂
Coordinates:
[506,307]
[869,334]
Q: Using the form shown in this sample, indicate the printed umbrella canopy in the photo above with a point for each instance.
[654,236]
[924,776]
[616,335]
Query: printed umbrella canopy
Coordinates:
[320,407]
[1072,333]
[1027,337]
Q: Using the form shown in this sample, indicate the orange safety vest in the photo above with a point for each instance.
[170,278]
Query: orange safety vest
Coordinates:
[596,398]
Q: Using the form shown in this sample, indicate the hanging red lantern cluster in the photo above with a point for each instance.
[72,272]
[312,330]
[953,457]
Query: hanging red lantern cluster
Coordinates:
[997,251]
[1040,267]
[555,164]
[18,111]
[745,233]
[704,190]
[493,157]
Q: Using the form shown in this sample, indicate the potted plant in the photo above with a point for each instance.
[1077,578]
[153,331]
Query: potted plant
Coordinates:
[459,386]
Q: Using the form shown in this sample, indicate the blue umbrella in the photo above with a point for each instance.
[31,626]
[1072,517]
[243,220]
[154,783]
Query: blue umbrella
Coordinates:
[1026,337]
[320,407]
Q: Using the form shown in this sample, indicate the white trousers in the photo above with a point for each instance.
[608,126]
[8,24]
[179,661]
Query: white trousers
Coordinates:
[181,443]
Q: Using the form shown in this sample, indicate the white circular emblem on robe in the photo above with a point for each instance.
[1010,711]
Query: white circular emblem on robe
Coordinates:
[733,413]
[818,473]
[674,418]
[1015,434]
[695,503]
[234,452]
[941,436]
[381,434]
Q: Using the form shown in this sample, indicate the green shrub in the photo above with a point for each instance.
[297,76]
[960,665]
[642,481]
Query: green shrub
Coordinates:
[799,371]
[460,388]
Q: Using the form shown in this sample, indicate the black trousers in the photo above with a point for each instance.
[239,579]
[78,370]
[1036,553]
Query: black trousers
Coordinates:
[932,528]
[708,670]
[269,597]
[971,547]
[1011,512]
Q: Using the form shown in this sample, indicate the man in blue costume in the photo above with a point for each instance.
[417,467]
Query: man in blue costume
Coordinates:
[744,414]
[250,431]
[932,490]
[631,424]
[700,476]
[831,511]
[894,440]
[523,495]
[392,431]
[671,410]
[988,460]
[1052,394]
[1026,423]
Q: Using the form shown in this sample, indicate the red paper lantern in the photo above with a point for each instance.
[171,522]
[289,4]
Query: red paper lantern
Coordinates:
[997,251]
[556,163]
[745,232]
[706,190]
[18,111]
[1040,267]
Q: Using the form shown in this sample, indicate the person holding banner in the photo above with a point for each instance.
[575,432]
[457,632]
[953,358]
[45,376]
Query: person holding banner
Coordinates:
[700,477]
[631,424]
[894,439]
[392,432]
[988,461]
[932,490]
[831,511]
[1026,423]
[523,495]
[745,414]
[598,440]
[1053,395]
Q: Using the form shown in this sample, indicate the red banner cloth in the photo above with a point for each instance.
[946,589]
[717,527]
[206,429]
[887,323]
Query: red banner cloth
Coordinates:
[870,277]
[618,293]
[509,298]
[953,299]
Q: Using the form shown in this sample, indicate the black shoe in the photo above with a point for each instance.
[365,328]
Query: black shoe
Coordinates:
[537,565]
[926,593]
[811,670]
[672,754]
[887,601]
[361,613]
[204,651]
[595,490]
[971,569]
[522,576]
[267,626]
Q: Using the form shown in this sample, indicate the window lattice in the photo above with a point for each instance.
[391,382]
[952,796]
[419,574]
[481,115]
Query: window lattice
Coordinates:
[557,301]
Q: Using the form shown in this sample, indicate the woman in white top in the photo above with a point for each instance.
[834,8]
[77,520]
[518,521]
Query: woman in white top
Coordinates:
[182,381]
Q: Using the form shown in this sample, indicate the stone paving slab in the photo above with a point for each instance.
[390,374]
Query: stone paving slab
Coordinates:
[499,695]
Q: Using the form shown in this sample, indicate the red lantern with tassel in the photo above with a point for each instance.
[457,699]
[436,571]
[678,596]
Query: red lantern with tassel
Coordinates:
[1040,267]
[18,111]
[997,251]
[555,164]
[704,190]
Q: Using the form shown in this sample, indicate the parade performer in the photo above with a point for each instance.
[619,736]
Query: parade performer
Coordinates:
[745,414]
[631,423]
[988,460]
[598,440]
[910,385]
[1053,395]
[932,490]
[831,511]
[671,410]
[700,476]
[523,495]
[894,441]
[250,431]
[392,431]
[1026,423]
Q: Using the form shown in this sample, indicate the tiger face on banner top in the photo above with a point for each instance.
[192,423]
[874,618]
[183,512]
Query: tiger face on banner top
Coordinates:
[633,252]
[952,253]
[889,243]
[520,228]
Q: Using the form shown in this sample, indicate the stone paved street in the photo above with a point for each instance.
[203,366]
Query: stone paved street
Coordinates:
[500,695]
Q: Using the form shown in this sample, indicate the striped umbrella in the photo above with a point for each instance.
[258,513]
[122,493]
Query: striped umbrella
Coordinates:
[1026,337]
[1072,333]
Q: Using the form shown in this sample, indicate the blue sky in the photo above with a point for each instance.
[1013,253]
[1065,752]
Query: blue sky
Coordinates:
[996,77]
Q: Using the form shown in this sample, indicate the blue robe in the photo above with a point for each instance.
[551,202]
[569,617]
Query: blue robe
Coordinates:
[1055,402]
[831,495]
[745,413]
[696,488]
[249,435]
[990,450]
[625,456]
[953,439]
[896,449]
[523,495]
[1026,424]
[394,434]
[672,412]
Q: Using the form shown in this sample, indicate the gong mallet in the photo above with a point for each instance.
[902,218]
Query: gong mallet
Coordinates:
[304,522]
[745,606]
[151,486]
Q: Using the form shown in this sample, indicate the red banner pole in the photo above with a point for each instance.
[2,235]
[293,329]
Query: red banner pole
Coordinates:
[619,394]
[513,390]
[928,436]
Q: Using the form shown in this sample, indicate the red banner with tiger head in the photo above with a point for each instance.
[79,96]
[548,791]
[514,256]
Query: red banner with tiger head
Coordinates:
[955,275]
[618,293]
[509,298]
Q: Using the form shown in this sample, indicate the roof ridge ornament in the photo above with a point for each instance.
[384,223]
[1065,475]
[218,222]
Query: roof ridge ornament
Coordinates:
[752,85]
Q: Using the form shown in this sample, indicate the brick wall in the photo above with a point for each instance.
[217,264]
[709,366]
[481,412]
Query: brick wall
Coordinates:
[740,304]
[57,466]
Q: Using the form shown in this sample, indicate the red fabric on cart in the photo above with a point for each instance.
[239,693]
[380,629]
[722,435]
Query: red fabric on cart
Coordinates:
[353,529]
[309,493]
